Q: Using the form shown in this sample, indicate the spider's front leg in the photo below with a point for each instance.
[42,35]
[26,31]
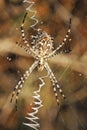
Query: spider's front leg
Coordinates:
[63,42]
[23,32]
[27,48]
[20,84]
[54,82]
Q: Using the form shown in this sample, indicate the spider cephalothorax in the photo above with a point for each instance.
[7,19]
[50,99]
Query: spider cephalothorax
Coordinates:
[41,49]
[42,46]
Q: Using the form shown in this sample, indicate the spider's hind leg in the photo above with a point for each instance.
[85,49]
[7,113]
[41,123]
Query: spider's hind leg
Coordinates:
[54,83]
[17,89]
[56,87]
[56,95]
[20,84]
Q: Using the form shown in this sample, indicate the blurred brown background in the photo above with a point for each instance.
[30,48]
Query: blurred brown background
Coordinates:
[70,69]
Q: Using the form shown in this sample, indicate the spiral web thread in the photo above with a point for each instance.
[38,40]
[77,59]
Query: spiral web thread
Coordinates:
[37,103]
[33,17]
[32,117]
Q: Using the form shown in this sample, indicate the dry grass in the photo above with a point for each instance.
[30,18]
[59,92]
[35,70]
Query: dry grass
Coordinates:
[70,69]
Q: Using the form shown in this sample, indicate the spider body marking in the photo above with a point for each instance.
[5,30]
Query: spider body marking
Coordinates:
[43,45]
[42,49]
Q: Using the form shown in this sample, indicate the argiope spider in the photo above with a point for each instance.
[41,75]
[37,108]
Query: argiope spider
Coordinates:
[42,49]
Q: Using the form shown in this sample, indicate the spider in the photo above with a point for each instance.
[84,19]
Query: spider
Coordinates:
[42,49]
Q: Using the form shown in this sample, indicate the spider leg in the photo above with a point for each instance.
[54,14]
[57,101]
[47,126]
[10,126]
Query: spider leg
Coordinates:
[22,31]
[63,42]
[54,82]
[19,86]
[31,51]
[25,48]
[65,38]
[28,48]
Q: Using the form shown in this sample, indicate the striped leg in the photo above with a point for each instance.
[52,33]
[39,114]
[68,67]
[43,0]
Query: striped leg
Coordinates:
[54,83]
[65,38]
[25,48]
[63,42]
[19,86]
[22,31]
